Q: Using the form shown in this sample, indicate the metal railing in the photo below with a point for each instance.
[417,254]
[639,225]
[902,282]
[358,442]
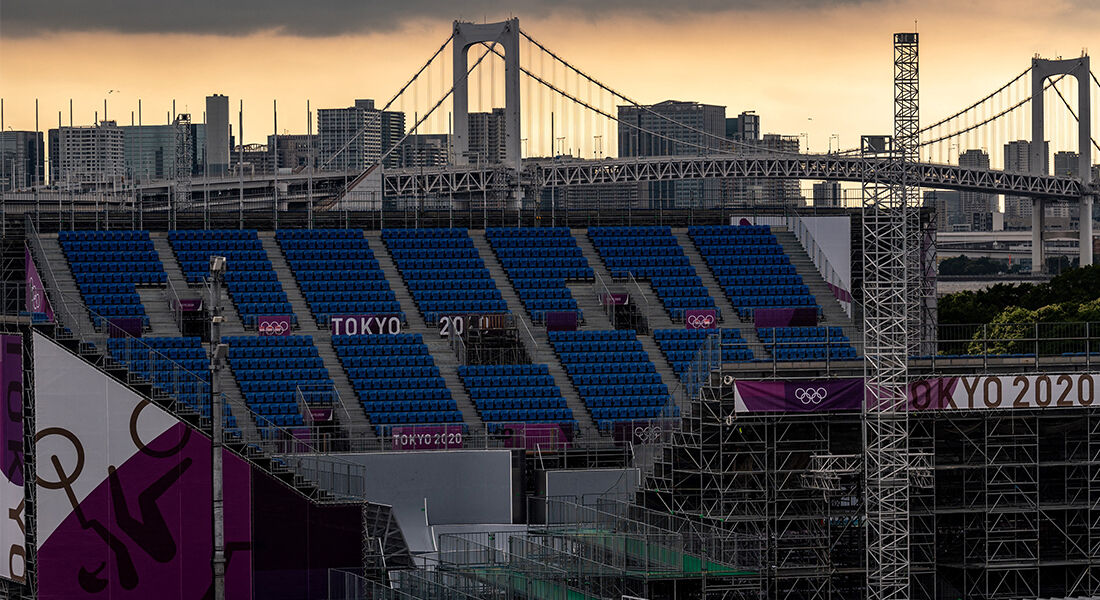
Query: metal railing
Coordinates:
[817,255]
[529,342]
[603,297]
[62,306]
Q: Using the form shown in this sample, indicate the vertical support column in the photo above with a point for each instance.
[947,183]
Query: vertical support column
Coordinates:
[1038,256]
[1084,154]
[1086,230]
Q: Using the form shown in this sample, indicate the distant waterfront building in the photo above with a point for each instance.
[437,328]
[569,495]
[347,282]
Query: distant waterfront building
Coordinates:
[150,151]
[827,194]
[293,151]
[424,150]
[678,128]
[355,138]
[977,207]
[949,211]
[1018,160]
[745,127]
[22,160]
[87,156]
[487,137]
[216,142]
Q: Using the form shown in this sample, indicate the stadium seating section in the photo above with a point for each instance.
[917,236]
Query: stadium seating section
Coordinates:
[178,366]
[396,380]
[515,393]
[107,266]
[252,283]
[271,370]
[539,261]
[653,253]
[681,346]
[337,273]
[614,375]
[750,265]
[444,272]
[807,343]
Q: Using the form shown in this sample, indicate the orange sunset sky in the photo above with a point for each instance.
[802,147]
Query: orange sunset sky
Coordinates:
[806,66]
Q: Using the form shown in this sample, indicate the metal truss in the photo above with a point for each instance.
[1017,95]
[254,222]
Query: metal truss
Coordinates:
[464,180]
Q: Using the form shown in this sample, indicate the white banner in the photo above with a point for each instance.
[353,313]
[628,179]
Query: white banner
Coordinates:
[1062,390]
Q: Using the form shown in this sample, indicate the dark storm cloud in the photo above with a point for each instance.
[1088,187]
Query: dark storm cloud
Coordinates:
[321,18]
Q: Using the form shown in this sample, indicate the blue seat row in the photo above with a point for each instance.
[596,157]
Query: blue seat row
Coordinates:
[523,393]
[612,381]
[108,266]
[389,369]
[103,236]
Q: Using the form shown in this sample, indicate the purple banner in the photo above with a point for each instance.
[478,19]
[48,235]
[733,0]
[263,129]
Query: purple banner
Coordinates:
[805,316]
[320,414]
[701,318]
[561,321]
[364,324]
[190,304]
[143,532]
[36,302]
[123,327]
[811,395]
[427,437]
[273,324]
[13,539]
[649,431]
[536,436]
[614,299]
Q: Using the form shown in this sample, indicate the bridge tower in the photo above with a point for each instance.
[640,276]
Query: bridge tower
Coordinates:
[1041,70]
[505,33]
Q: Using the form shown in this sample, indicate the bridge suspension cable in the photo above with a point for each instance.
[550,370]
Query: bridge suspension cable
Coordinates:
[604,113]
[724,140]
[401,91]
[988,120]
[976,104]
[1072,112]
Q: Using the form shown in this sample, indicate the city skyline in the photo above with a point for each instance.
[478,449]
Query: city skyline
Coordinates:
[693,56]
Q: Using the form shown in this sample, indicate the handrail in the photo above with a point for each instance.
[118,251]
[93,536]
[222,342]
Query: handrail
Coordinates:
[604,300]
[77,325]
[817,255]
[535,350]
[458,345]
[641,292]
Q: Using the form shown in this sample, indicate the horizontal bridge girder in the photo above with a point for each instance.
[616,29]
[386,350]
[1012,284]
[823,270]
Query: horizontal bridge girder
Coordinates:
[459,180]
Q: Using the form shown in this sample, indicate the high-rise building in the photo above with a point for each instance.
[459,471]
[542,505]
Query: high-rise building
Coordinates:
[293,151]
[674,128]
[150,151]
[355,138]
[1018,160]
[487,137]
[949,213]
[774,192]
[977,207]
[425,150]
[827,194]
[22,159]
[745,127]
[87,156]
[216,143]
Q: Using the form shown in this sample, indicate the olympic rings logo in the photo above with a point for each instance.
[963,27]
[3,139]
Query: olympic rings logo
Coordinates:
[36,298]
[810,395]
[701,321]
[277,327]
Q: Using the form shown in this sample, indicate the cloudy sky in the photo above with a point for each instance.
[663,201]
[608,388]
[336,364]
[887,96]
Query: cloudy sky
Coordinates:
[818,67]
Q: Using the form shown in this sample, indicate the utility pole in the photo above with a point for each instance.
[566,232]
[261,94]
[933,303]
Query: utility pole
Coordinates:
[218,352]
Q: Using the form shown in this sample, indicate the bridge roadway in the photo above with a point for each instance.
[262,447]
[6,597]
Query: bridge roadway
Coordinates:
[543,173]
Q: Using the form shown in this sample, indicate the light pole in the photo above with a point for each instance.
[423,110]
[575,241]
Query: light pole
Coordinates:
[218,352]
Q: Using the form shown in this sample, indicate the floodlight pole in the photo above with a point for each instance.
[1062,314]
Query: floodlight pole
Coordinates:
[218,353]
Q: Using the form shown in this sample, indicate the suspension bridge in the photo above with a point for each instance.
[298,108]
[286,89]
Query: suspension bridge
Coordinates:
[550,103]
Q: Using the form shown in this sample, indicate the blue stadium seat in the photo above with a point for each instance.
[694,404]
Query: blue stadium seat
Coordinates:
[654,254]
[614,375]
[252,283]
[444,272]
[108,266]
[396,380]
[539,261]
